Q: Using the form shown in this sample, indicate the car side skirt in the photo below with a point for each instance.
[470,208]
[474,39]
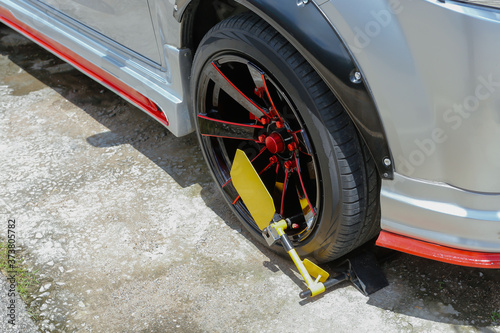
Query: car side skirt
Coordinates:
[438,252]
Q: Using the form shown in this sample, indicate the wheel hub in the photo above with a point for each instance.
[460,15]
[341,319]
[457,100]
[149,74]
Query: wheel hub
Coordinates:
[279,142]
[275,143]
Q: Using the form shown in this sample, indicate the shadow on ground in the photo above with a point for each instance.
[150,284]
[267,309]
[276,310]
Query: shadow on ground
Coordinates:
[418,287]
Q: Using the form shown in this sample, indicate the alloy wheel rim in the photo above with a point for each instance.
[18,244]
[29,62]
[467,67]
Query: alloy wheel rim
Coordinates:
[242,107]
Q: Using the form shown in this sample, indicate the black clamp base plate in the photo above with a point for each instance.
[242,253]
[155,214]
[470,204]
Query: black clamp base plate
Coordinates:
[362,268]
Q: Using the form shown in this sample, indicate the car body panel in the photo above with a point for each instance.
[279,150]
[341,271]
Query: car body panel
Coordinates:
[112,19]
[445,188]
[436,85]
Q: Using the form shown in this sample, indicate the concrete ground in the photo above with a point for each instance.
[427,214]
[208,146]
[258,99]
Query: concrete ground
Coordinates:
[127,232]
[23,322]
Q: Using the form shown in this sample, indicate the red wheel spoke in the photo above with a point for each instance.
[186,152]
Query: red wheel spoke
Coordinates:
[225,84]
[285,184]
[267,167]
[270,99]
[225,184]
[225,129]
[303,152]
[260,152]
[305,141]
[259,79]
[302,184]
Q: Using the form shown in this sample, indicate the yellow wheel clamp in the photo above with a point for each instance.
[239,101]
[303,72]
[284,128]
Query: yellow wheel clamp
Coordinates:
[260,204]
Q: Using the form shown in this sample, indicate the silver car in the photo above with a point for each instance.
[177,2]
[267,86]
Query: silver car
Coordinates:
[363,119]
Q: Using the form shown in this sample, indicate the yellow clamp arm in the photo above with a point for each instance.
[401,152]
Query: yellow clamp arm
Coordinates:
[316,287]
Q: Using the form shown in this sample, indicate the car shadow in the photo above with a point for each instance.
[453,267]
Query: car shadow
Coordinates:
[441,292]
[418,287]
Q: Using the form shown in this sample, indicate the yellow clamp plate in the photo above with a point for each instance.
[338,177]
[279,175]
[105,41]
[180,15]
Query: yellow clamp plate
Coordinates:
[315,270]
[252,191]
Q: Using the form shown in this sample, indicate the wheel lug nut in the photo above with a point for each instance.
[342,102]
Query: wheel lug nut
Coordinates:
[280,124]
[288,164]
[262,138]
[273,159]
[295,226]
[264,121]
[292,146]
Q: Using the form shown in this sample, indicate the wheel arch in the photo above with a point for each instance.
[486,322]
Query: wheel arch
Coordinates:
[306,28]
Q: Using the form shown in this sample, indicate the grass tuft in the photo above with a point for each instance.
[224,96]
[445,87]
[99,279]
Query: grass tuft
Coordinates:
[26,281]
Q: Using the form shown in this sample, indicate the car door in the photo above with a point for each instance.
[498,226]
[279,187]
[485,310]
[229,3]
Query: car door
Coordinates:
[127,22]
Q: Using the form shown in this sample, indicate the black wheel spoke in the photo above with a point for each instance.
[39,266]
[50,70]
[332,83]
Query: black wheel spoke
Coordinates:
[257,77]
[226,129]
[230,88]
[225,156]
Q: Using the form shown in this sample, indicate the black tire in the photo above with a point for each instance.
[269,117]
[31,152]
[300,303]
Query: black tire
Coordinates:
[333,171]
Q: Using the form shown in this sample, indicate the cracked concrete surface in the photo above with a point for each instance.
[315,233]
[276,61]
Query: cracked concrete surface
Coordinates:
[128,233]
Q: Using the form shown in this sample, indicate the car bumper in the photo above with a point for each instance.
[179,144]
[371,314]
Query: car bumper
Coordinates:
[441,214]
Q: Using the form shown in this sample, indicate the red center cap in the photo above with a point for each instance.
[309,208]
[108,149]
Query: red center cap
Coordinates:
[274,143]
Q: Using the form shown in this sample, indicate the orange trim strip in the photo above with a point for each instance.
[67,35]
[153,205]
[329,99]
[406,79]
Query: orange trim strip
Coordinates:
[438,252]
[85,66]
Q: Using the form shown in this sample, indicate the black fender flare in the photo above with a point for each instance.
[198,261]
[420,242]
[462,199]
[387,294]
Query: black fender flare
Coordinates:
[304,25]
